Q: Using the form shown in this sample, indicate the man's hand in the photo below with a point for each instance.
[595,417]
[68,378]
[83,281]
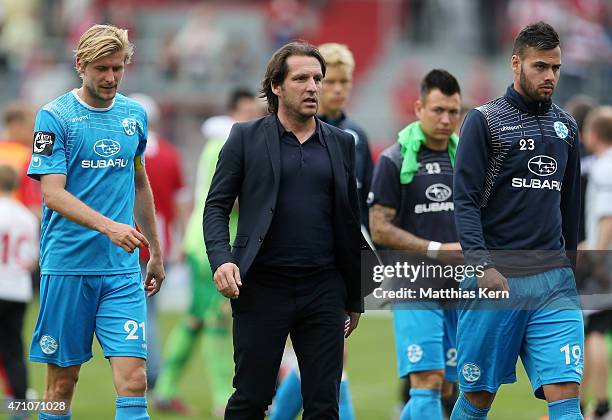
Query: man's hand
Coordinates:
[227,280]
[155,275]
[126,237]
[351,323]
[493,280]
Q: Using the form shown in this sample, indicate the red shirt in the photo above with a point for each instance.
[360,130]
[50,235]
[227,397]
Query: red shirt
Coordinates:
[163,166]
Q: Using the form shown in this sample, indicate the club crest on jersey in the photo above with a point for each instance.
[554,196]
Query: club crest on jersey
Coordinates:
[471,372]
[43,143]
[542,165]
[106,147]
[129,126]
[48,344]
[415,353]
[438,192]
[561,129]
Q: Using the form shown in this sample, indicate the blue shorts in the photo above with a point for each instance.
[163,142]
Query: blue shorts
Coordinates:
[72,308]
[548,336]
[425,340]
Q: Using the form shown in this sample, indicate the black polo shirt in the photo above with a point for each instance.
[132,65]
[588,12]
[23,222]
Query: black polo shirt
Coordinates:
[301,232]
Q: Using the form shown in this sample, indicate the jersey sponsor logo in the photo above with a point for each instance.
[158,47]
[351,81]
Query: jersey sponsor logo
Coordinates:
[542,165]
[43,143]
[102,164]
[106,147]
[536,184]
[510,127]
[438,192]
[415,353]
[434,207]
[48,344]
[471,372]
[560,129]
[129,126]
[36,161]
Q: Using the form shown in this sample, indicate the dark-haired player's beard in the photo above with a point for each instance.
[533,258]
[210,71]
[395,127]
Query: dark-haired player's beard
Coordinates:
[531,90]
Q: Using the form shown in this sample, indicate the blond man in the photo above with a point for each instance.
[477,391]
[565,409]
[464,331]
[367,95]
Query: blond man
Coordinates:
[337,88]
[88,155]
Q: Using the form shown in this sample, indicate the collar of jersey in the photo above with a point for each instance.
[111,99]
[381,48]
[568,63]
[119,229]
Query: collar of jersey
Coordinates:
[526,105]
[91,108]
[411,139]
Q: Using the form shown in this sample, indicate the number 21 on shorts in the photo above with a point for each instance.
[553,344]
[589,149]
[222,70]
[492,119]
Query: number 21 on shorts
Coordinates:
[131,327]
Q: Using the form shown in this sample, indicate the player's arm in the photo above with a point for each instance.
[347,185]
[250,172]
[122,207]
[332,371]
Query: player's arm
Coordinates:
[469,179]
[604,239]
[144,212]
[53,188]
[385,198]
[570,199]
[224,188]
[385,233]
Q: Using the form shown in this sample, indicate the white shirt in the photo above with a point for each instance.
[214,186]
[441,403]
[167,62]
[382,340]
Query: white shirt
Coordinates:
[19,248]
[598,201]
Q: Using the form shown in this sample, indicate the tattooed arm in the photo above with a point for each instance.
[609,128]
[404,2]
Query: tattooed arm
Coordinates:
[385,233]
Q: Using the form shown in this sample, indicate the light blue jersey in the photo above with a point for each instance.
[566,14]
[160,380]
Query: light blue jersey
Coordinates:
[95,148]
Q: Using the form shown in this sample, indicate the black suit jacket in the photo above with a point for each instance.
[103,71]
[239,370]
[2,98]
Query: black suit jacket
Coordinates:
[249,168]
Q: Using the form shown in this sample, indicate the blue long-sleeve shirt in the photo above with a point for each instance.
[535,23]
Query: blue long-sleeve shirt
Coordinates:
[517,179]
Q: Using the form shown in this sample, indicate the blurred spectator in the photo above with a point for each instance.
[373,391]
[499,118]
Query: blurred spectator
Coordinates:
[578,107]
[18,256]
[586,46]
[21,32]
[15,150]
[208,312]
[46,78]
[163,166]
[199,44]
[598,139]
[288,19]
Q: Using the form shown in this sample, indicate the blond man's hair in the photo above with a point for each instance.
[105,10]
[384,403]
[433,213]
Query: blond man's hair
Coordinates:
[337,55]
[102,40]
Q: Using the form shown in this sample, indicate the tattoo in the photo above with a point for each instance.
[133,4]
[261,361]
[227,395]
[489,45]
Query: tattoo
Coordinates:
[385,233]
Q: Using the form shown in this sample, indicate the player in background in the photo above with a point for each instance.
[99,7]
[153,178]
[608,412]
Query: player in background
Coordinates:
[18,256]
[15,150]
[517,187]
[598,218]
[414,173]
[170,197]
[209,312]
[335,93]
[88,155]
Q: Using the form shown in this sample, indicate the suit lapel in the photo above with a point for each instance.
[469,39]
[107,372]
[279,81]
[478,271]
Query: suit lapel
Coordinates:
[273,145]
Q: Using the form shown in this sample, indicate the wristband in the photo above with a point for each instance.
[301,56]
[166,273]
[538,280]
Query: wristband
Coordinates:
[433,248]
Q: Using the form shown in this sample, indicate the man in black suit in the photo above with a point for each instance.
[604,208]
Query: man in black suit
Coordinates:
[298,241]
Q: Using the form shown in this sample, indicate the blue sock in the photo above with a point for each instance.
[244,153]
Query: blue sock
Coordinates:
[131,408]
[288,401]
[565,409]
[464,410]
[346,402]
[423,404]
[46,416]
